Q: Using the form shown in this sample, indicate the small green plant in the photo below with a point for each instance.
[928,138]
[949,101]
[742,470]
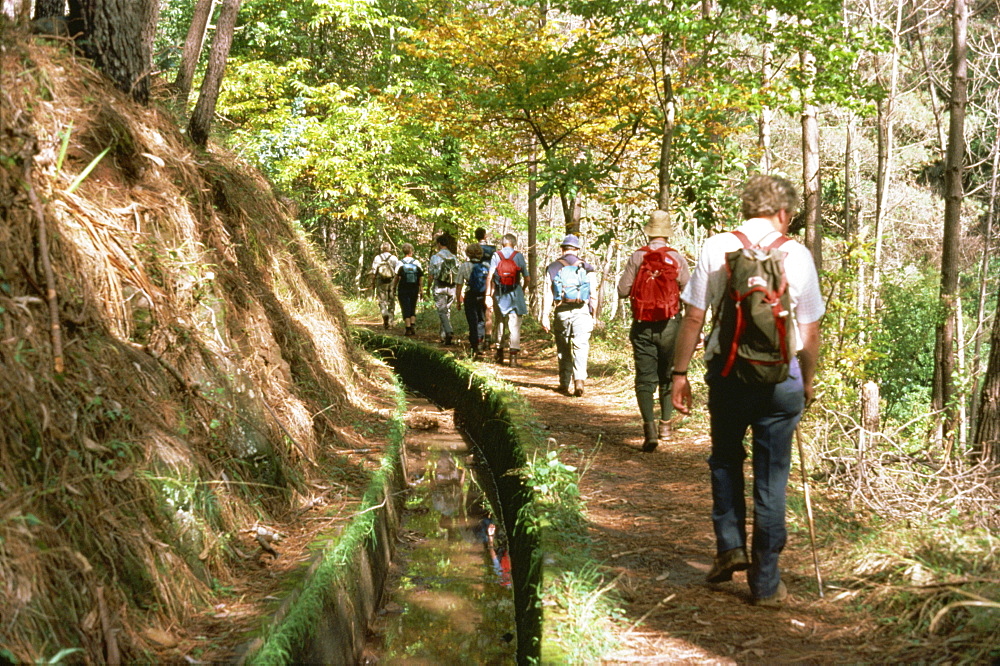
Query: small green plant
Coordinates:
[86,172]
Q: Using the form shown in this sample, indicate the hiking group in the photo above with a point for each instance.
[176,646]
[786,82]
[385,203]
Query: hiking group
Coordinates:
[760,354]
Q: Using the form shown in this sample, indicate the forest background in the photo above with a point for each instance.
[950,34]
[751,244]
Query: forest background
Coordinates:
[385,120]
[393,121]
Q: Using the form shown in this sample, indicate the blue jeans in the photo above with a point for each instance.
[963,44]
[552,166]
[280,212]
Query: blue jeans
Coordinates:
[771,412]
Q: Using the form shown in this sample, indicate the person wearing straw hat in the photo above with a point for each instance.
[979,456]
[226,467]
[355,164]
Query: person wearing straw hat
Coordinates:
[770,410]
[569,296]
[654,325]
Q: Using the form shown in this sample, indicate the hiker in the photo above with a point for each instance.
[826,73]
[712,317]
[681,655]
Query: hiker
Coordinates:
[472,274]
[409,277]
[486,319]
[383,271]
[570,296]
[505,296]
[444,269]
[652,280]
[746,386]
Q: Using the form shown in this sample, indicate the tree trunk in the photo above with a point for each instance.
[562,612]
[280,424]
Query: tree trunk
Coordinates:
[944,361]
[192,48]
[869,425]
[984,279]
[201,119]
[764,123]
[49,8]
[117,36]
[532,231]
[18,11]
[810,164]
[666,141]
[986,446]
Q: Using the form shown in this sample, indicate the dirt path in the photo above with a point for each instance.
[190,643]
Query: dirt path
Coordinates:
[650,518]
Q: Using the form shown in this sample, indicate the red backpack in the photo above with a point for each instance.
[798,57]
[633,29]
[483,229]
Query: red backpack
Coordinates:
[655,294]
[508,270]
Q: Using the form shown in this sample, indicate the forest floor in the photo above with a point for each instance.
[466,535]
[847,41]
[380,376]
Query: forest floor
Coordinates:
[649,516]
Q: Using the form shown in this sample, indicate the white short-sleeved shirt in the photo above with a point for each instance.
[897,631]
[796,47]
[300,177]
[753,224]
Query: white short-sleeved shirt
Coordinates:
[707,286]
[385,258]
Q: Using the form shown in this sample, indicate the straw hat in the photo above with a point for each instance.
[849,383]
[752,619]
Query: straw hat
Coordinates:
[659,225]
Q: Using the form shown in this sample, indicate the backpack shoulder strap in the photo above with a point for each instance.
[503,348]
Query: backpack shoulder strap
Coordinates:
[743,238]
[781,240]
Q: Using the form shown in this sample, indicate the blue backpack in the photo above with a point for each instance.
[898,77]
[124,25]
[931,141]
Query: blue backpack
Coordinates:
[477,279]
[570,284]
[409,270]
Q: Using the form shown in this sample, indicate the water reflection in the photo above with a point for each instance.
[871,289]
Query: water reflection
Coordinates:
[452,602]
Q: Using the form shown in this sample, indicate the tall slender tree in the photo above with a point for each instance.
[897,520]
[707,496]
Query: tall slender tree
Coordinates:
[810,161]
[944,360]
[201,119]
[986,444]
[192,48]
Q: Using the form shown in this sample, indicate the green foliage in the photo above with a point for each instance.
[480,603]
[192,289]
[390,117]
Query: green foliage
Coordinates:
[904,340]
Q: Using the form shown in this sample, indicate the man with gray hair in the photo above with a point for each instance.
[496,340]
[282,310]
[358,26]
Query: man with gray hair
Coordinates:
[505,295]
[769,404]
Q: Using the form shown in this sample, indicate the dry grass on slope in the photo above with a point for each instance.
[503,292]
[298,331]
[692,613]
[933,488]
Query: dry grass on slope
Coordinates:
[206,377]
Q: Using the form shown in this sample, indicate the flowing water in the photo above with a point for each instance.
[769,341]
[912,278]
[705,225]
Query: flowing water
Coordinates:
[449,601]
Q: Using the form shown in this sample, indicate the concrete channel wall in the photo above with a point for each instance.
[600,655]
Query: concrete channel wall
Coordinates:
[325,619]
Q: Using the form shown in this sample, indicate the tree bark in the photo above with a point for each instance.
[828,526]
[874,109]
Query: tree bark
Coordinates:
[192,48]
[984,278]
[201,118]
[532,231]
[765,122]
[986,446]
[49,8]
[117,36]
[810,164]
[944,361]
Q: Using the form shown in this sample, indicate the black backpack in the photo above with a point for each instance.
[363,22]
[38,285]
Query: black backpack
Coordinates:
[756,332]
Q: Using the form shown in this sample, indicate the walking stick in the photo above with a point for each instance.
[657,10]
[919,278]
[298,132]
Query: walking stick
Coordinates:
[809,510]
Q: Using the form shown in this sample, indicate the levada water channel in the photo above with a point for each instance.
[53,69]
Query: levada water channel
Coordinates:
[448,598]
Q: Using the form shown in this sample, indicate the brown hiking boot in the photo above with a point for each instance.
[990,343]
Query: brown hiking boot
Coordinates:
[513,358]
[578,388]
[499,355]
[665,431]
[776,600]
[726,564]
[652,441]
